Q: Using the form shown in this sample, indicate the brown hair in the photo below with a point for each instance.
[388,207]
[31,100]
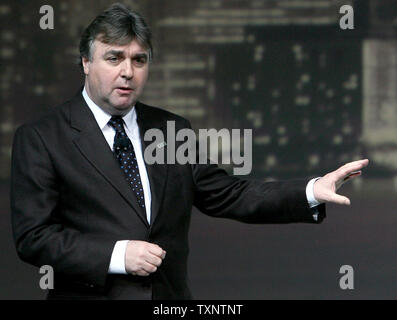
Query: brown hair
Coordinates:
[116,25]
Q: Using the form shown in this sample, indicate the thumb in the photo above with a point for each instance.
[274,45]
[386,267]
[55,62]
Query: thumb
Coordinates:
[338,199]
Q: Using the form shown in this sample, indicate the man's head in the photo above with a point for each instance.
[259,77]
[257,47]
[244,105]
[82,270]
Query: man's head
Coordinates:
[115,51]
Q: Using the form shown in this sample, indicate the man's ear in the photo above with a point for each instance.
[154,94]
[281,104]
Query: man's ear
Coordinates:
[86,65]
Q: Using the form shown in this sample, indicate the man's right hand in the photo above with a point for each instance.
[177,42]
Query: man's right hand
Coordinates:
[143,258]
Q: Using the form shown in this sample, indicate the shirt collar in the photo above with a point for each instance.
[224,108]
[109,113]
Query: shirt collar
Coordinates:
[102,117]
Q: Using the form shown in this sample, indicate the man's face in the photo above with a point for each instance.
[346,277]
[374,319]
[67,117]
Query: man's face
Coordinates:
[116,76]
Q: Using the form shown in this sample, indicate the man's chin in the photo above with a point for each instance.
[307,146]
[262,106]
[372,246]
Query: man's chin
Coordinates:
[121,109]
[124,105]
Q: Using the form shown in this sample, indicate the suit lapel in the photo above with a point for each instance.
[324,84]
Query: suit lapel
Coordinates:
[157,173]
[92,144]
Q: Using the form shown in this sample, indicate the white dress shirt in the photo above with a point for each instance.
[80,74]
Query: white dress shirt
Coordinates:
[117,261]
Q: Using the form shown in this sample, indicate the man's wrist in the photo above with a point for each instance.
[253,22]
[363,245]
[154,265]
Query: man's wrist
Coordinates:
[117,261]
[310,193]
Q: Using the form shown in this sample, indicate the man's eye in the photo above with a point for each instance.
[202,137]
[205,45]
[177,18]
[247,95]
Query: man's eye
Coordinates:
[140,61]
[112,59]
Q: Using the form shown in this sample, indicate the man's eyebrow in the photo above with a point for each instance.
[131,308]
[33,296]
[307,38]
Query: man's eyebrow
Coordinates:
[115,52]
[121,53]
[140,55]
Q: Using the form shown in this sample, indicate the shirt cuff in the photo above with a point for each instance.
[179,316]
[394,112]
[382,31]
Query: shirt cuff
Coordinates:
[313,203]
[310,193]
[117,261]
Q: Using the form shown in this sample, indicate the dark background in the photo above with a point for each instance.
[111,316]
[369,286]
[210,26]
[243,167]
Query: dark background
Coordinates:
[315,96]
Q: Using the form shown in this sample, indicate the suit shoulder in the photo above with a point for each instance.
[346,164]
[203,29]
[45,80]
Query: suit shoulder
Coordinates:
[50,118]
[162,114]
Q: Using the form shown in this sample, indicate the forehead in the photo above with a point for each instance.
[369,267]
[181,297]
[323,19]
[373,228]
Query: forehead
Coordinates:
[130,48]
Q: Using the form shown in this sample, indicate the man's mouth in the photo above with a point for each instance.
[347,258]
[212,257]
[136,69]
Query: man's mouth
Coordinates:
[124,90]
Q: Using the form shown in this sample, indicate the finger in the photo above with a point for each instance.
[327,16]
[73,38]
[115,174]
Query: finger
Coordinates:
[148,267]
[350,168]
[364,162]
[141,273]
[155,249]
[352,175]
[154,260]
[338,199]
[355,164]
[360,163]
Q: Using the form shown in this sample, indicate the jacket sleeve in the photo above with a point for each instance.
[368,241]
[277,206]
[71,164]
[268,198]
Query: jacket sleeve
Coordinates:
[251,201]
[40,238]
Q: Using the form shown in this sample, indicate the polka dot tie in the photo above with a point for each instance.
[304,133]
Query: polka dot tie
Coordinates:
[125,154]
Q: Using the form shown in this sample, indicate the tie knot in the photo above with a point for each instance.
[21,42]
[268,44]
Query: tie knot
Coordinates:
[117,123]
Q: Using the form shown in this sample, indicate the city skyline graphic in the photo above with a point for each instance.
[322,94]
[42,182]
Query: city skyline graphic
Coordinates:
[313,94]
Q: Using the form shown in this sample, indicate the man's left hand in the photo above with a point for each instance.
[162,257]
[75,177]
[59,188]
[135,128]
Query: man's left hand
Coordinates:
[325,188]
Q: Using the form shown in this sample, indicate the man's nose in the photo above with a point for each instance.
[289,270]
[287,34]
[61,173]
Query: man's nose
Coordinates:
[127,70]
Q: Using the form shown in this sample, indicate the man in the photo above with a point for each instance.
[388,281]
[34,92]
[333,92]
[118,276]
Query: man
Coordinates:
[112,226]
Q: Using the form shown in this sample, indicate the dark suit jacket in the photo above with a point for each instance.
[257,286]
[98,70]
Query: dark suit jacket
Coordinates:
[70,204]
